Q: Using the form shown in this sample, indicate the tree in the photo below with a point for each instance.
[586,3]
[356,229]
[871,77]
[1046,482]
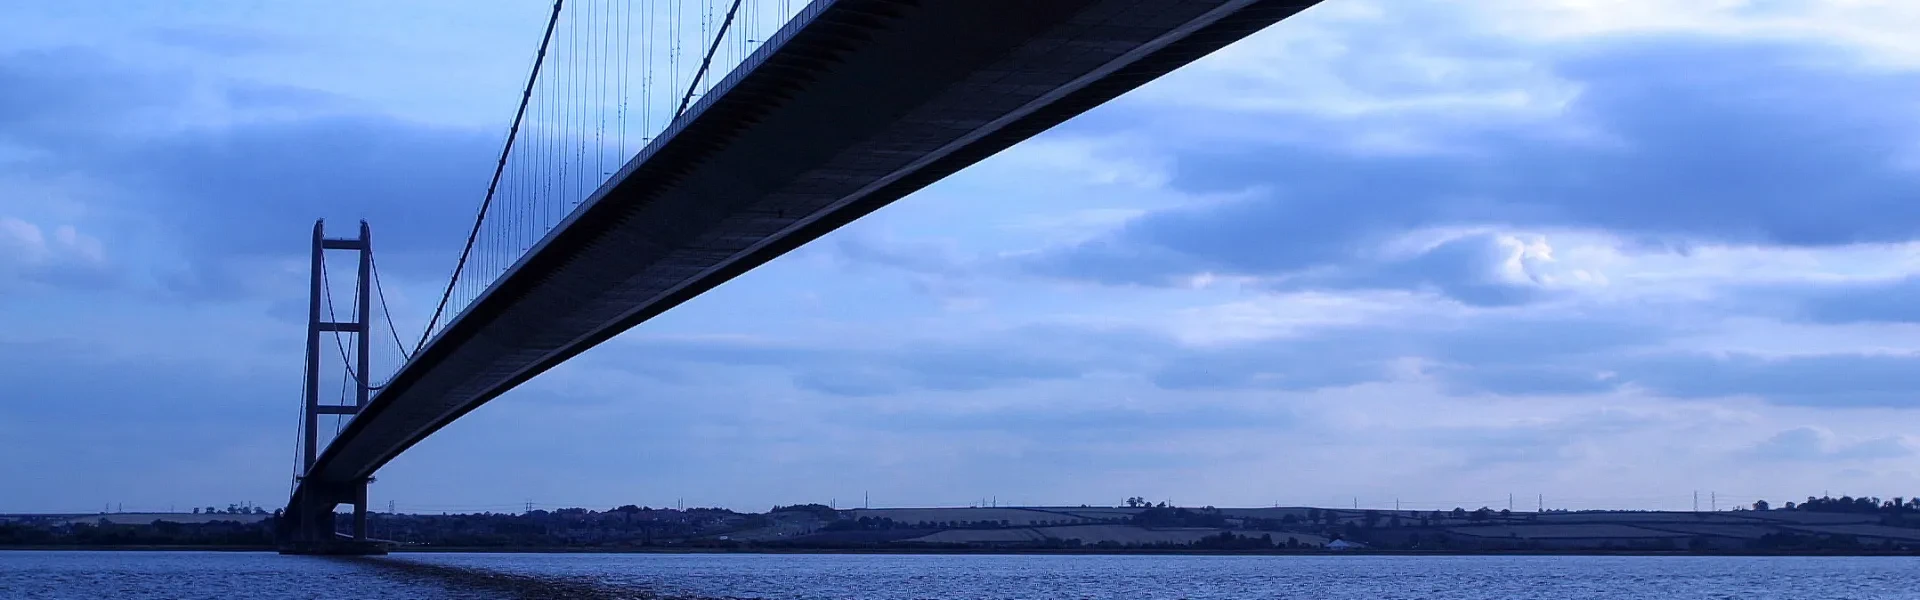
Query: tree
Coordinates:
[196,510]
[1761,505]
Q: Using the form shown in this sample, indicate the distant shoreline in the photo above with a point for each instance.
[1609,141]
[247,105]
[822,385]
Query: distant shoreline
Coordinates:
[1887,530]
[136,548]
[977,551]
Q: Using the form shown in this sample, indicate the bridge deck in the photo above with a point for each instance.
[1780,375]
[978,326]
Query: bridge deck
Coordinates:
[854,104]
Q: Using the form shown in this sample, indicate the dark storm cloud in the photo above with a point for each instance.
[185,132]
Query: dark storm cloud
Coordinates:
[1717,142]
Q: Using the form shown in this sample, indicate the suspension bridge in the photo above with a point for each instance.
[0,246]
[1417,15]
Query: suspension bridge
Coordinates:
[663,147]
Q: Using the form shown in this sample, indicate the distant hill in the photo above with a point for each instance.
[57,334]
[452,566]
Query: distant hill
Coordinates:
[1821,525]
[1312,528]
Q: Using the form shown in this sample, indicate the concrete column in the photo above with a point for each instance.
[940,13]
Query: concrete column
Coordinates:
[312,425]
[364,319]
[360,511]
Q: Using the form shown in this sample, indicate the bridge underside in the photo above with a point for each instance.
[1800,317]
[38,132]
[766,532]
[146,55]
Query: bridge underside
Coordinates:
[854,104]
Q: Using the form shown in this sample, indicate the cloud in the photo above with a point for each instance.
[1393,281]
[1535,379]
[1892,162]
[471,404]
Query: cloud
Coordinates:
[1876,302]
[1497,353]
[1691,142]
[1483,269]
[1817,444]
[61,257]
[1303,364]
[1092,422]
[49,379]
[1820,380]
[242,187]
[911,365]
[1831,380]
[1533,440]
[256,189]
[931,269]
[54,92]
[227,42]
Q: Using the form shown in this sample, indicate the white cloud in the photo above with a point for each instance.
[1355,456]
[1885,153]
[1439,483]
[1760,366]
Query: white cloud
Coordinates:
[1880,30]
[27,249]
[1402,77]
[1606,266]
[1344,70]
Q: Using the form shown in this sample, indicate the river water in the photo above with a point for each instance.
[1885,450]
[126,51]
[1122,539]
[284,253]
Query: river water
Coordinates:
[262,576]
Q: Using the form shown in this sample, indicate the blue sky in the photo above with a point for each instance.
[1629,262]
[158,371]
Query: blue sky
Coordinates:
[1429,251]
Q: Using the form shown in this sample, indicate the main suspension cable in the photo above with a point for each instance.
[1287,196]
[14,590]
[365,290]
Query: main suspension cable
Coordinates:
[326,289]
[480,219]
[700,74]
[387,311]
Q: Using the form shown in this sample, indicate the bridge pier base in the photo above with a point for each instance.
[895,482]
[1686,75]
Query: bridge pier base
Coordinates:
[309,525]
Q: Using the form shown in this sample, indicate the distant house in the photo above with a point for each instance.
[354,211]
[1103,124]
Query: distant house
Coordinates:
[1345,545]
